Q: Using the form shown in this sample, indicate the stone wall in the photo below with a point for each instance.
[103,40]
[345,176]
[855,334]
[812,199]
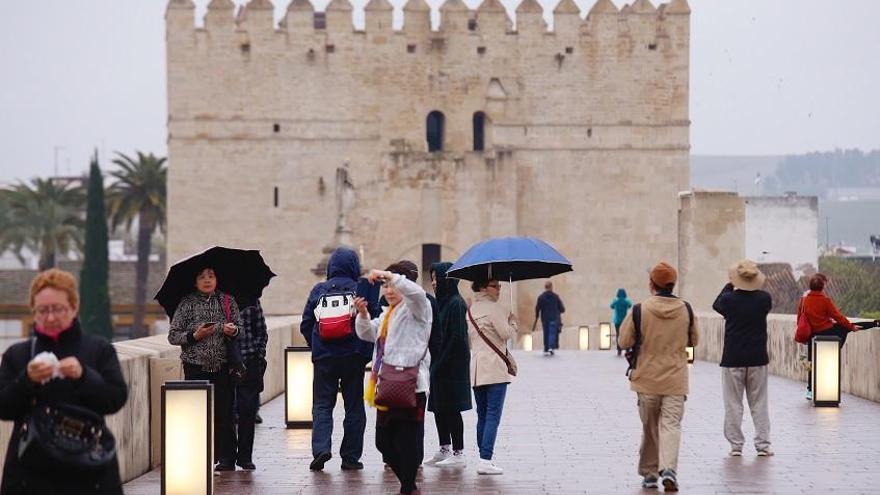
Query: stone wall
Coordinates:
[587,136]
[860,368]
[136,426]
[711,230]
[783,229]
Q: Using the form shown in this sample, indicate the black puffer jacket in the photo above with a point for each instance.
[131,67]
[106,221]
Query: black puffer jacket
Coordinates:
[451,366]
[101,389]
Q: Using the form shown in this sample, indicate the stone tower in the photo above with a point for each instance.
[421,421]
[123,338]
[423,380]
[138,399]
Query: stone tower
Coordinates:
[486,127]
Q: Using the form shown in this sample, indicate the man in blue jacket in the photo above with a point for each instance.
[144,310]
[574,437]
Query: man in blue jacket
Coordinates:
[549,309]
[337,363]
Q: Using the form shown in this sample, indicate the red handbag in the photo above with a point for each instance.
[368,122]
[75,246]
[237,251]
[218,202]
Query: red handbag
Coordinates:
[397,386]
[803,331]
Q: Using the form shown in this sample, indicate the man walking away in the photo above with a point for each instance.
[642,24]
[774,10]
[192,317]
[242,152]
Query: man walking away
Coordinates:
[744,360]
[549,309]
[659,330]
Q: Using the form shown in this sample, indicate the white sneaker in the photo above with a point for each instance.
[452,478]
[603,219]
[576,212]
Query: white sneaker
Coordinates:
[457,459]
[440,456]
[488,467]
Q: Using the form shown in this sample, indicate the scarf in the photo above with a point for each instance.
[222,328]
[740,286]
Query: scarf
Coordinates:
[373,382]
[53,335]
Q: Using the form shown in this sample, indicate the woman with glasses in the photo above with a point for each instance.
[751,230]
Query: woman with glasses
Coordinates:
[82,371]
[490,325]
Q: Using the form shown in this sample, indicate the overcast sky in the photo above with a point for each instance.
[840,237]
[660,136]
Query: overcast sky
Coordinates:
[767,77]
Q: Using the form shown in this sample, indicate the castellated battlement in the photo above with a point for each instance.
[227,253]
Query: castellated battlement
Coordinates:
[490,17]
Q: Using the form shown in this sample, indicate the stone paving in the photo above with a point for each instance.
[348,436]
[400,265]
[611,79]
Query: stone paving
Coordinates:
[570,426]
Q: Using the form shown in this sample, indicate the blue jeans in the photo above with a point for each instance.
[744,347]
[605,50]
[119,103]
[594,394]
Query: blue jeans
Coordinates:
[551,334]
[331,374]
[490,403]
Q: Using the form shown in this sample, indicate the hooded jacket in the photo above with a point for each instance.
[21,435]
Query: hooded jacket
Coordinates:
[662,365]
[343,271]
[450,365]
[620,305]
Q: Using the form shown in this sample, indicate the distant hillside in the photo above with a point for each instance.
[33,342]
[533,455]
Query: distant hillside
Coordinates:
[732,173]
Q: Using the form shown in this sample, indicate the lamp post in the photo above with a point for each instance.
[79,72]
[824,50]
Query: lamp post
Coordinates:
[604,336]
[187,437]
[584,338]
[298,373]
[825,372]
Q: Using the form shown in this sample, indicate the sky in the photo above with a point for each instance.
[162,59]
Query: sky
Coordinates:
[768,77]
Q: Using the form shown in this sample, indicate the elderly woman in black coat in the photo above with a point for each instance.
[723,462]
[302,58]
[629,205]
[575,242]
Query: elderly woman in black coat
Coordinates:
[450,392]
[84,372]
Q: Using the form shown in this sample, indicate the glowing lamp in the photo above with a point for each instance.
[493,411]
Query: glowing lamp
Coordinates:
[187,437]
[298,372]
[690,351]
[584,338]
[604,336]
[825,374]
[527,342]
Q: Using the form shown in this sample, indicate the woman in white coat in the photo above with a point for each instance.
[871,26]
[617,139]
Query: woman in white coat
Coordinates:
[401,335]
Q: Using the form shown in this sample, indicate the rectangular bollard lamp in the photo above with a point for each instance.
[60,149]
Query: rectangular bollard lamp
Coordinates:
[527,342]
[584,338]
[825,374]
[604,336]
[187,437]
[298,372]
[690,351]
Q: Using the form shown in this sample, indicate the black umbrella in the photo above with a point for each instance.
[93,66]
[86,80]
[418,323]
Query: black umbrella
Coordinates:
[240,273]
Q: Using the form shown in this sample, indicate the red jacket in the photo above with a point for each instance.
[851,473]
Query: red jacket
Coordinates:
[822,313]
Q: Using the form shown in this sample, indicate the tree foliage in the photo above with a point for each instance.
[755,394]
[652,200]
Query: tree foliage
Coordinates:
[94,277]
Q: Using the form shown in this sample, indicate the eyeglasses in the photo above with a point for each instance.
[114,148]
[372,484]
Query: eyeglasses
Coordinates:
[57,310]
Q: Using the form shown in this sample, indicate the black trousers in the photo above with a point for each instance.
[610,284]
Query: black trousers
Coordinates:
[224,431]
[450,429]
[248,396]
[400,437]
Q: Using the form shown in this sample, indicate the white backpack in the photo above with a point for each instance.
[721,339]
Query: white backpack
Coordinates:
[335,313]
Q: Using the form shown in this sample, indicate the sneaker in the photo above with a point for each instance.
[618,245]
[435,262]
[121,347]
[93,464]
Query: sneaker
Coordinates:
[650,481]
[486,466]
[349,465]
[809,395]
[257,419]
[247,466]
[440,456]
[735,452]
[552,353]
[670,482]
[457,459]
[765,452]
[319,461]
[222,466]
[546,353]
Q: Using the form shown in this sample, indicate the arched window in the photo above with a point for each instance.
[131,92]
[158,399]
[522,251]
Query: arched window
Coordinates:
[434,128]
[430,255]
[479,131]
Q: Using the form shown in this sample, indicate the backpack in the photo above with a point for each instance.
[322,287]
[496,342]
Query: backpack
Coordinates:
[335,314]
[632,354]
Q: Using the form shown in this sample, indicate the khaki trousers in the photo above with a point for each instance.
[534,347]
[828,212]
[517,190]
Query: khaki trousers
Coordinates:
[661,432]
[752,381]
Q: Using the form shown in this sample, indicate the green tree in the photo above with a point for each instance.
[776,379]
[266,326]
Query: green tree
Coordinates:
[857,284]
[45,217]
[93,288]
[139,192]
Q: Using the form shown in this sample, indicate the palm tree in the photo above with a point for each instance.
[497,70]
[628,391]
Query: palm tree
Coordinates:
[139,193]
[45,216]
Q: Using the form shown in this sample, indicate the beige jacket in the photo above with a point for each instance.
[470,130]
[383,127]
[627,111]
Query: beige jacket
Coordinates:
[487,367]
[662,365]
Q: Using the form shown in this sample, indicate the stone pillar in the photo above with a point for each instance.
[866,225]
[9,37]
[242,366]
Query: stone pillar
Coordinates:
[711,230]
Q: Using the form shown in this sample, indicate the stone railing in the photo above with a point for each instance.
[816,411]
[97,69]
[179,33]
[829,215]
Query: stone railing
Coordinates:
[149,362]
[860,357]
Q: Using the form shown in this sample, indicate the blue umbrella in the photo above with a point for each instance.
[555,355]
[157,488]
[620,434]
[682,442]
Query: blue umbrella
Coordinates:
[511,259]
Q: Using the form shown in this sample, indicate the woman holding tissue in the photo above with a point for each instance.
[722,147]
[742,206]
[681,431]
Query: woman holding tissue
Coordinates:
[59,366]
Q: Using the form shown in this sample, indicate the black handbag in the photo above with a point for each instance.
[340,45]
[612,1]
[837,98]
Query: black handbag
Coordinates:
[65,437]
